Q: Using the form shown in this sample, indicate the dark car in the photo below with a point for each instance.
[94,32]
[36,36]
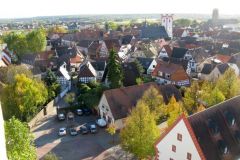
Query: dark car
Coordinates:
[87,111]
[93,128]
[83,129]
[73,131]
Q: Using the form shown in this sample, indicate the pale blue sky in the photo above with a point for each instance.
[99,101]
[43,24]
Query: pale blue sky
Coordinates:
[32,8]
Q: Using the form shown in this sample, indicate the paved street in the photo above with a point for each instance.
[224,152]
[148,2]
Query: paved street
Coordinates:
[70,147]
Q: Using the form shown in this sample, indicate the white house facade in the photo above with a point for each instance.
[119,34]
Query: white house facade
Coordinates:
[178,143]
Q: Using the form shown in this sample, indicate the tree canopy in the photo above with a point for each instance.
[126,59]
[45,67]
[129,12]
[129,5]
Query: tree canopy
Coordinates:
[182,22]
[229,84]
[155,102]
[25,95]
[21,43]
[36,40]
[19,141]
[115,75]
[57,29]
[16,42]
[140,132]
[175,109]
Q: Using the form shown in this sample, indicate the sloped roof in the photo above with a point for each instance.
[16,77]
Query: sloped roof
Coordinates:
[222,58]
[179,52]
[99,65]
[145,62]
[130,73]
[178,32]
[153,32]
[222,67]
[166,68]
[122,100]
[219,114]
[87,71]
[207,68]
[168,50]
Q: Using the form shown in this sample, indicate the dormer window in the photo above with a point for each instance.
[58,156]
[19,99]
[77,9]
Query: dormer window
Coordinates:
[212,125]
[222,146]
[167,75]
[229,118]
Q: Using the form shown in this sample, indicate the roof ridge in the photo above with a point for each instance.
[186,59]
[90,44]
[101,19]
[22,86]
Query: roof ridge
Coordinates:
[214,106]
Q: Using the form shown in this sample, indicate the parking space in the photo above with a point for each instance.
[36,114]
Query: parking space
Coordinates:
[69,147]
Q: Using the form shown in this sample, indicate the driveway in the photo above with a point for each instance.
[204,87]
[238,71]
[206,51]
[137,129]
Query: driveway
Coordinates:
[70,147]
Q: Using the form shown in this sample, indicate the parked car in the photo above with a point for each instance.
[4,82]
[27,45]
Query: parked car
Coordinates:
[62,132]
[79,112]
[87,111]
[101,122]
[61,116]
[73,131]
[93,128]
[83,129]
[70,115]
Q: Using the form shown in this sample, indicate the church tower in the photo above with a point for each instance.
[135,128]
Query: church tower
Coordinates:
[167,22]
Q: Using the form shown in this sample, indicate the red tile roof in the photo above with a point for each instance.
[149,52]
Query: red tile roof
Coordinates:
[177,72]
[5,60]
[223,58]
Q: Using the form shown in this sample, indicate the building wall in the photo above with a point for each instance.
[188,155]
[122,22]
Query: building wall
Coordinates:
[164,147]
[87,79]
[163,53]
[212,76]
[3,155]
[151,67]
[104,109]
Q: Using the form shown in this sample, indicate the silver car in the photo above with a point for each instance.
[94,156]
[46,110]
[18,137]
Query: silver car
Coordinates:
[62,132]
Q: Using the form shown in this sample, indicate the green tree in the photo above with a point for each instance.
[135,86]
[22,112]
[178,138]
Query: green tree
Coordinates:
[139,67]
[115,75]
[112,25]
[50,156]
[13,70]
[229,84]
[140,132]
[191,95]
[112,131]
[36,40]
[26,95]
[19,141]
[139,81]
[69,98]
[155,102]
[54,88]
[215,97]
[175,109]
[16,42]
[57,29]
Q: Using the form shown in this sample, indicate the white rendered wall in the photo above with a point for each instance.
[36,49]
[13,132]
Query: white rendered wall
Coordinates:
[182,147]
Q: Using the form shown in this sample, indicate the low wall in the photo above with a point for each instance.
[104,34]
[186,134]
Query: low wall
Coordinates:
[48,109]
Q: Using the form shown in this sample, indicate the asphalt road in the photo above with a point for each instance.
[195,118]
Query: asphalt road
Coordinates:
[69,147]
